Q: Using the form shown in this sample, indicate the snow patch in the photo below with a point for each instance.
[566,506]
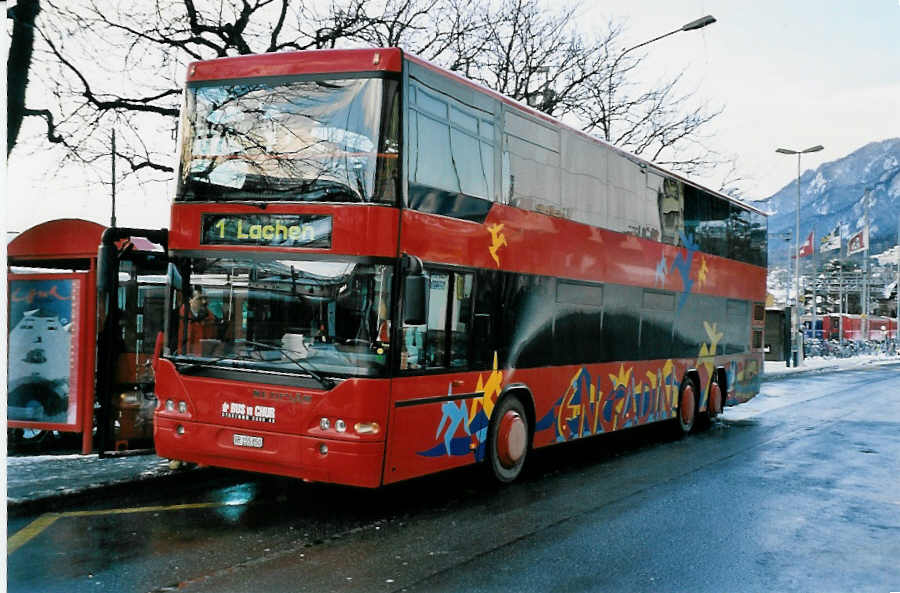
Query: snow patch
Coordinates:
[894,189]
[817,185]
[27,460]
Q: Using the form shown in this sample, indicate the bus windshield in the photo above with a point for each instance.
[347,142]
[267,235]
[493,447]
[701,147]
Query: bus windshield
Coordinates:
[333,140]
[283,315]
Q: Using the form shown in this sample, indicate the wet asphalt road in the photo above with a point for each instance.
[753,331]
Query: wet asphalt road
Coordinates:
[799,490]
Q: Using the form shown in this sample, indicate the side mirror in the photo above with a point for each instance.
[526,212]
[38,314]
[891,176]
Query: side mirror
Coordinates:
[414,299]
[414,287]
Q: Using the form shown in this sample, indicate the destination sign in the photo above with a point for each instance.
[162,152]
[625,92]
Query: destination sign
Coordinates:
[268,230]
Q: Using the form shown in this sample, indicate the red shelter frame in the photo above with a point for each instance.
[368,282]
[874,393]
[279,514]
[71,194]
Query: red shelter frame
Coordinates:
[66,244]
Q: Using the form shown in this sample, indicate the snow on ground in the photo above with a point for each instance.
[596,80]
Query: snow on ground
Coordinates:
[775,394]
[773,369]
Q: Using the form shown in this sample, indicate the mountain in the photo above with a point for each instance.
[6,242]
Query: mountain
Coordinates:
[833,194]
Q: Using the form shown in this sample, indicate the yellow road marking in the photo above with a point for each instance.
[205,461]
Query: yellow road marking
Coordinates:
[21,537]
[152,509]
[36,527]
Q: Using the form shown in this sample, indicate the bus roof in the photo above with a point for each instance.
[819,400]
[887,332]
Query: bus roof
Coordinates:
[322,61]
[316,61]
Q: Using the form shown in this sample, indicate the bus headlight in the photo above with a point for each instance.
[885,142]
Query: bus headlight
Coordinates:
[340,425]
[324,424]
[182,407]
[170,405]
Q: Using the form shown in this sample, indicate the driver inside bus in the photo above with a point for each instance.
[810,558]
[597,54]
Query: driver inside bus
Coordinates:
[201,324]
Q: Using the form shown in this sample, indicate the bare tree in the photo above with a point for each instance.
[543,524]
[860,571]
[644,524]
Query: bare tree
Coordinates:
[18,63]
[122,64]
[539,56]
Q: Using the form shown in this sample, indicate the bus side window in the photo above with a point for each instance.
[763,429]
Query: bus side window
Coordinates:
[436,320]
[448,324]
[460,320]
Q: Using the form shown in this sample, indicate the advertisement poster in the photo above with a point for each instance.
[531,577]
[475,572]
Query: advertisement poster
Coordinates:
[42,374]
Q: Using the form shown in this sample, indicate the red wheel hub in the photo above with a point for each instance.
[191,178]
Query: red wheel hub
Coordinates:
[687,405]
[715,399]
[511,439]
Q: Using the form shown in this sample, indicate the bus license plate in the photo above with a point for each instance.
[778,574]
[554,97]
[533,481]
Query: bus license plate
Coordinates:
[242,440]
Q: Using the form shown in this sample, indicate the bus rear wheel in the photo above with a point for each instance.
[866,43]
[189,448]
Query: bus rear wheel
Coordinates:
[714,403]
[687,406]
[509,440]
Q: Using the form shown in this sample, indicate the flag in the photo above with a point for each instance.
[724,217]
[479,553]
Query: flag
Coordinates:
[831,241]
[858,242]
[889,290]
[807,247]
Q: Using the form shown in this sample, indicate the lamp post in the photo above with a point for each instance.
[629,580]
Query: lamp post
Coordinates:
[794,316]
[691,26]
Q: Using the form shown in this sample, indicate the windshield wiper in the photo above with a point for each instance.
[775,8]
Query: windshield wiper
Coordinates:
[323,381]
[195,363]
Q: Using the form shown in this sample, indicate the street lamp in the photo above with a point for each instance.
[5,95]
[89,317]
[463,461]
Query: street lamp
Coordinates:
[794,341]
[691,26]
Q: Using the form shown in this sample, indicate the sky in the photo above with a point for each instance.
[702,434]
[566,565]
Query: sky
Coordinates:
[790,74]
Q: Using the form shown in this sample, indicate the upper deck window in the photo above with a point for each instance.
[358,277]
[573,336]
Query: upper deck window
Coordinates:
[296,140]
[451,155]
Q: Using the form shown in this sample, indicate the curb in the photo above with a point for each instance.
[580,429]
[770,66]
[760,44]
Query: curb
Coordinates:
[827,369]
[103,492]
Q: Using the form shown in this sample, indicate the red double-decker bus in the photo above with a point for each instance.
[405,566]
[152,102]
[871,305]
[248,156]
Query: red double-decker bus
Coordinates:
[382,270]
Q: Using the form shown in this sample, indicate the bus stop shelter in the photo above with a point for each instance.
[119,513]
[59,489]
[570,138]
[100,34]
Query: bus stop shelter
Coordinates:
[85,306]
[52,296]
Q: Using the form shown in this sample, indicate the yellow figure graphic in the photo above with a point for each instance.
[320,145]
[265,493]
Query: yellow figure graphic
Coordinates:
[668,384]
[489,390]
[621,395]
[707,354]
[702,272]
[498,240]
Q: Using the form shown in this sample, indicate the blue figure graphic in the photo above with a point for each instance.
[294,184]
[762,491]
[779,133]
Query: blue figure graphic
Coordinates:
[453,416]
[682,263]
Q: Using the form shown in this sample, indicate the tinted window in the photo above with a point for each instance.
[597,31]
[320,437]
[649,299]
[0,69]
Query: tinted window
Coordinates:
[758,238]
[737,332]
[657,316]
[739,225]
[578,332]
[579,294]
[621,322]
[689,331]
[528,310]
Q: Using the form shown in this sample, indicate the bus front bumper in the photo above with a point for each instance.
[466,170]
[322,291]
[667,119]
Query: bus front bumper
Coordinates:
[354,463]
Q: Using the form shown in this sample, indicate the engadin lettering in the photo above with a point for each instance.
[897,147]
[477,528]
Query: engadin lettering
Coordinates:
[240,411]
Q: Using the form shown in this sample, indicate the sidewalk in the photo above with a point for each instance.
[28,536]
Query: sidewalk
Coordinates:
[777,370]
[47,482]
[36,483]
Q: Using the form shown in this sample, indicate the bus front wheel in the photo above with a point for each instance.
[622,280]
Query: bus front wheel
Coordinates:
[509,439]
